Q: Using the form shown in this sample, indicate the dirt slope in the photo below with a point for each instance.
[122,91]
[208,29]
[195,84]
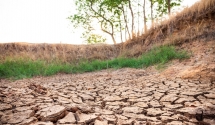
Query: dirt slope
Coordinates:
[201,65]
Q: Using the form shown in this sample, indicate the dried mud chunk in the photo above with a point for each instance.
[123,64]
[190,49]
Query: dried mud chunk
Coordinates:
[85,118]
[68,119]
[52,113]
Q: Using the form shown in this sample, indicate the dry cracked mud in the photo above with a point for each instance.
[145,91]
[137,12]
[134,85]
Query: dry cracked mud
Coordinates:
[110,97]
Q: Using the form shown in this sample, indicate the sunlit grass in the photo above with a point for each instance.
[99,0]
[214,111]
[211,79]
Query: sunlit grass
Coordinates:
[23,68]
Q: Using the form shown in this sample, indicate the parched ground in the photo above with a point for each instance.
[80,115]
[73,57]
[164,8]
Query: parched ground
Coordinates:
[182,94]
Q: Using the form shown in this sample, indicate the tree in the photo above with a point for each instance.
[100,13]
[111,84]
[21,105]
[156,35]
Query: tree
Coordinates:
[169,7]
[144,16]
[132,16]
[122,8]
[152,2]
[104,12]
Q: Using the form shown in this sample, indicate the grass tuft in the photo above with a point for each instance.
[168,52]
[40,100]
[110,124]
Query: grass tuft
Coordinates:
[23,68]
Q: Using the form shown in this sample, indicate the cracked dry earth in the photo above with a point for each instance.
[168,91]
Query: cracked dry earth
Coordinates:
[110,97]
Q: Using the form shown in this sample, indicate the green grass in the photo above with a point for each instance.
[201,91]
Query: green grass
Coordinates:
[23,68]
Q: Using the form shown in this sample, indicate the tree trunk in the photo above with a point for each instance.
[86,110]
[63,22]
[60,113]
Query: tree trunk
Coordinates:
[113,38]
[110,33]
[120,25]
[169,13]
[152,18]
[169,7]
[126,22]
[138,20]
[132,17]
[144,16]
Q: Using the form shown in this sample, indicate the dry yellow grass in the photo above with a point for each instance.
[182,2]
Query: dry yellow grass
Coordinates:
[57,52]
[194,23]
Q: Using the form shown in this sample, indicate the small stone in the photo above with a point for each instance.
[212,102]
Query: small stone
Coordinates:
[68,119]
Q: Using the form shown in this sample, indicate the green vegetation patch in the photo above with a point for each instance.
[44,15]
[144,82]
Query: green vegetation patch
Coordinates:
[23,68]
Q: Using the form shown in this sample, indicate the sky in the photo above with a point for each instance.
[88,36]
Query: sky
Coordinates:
[41,21]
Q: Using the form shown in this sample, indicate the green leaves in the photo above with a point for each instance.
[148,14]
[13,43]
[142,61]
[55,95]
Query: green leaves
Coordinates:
[162,7]
[94,38]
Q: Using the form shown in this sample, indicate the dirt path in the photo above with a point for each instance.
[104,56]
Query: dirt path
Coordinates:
[122,97]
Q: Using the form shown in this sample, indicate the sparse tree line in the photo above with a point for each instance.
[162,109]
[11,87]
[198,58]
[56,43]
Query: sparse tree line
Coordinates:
[124,19]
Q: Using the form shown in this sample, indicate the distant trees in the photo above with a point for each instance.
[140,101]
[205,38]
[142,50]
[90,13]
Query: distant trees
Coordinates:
[113,17]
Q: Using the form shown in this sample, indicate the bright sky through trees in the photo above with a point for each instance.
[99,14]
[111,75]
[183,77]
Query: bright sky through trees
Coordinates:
[41,21]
